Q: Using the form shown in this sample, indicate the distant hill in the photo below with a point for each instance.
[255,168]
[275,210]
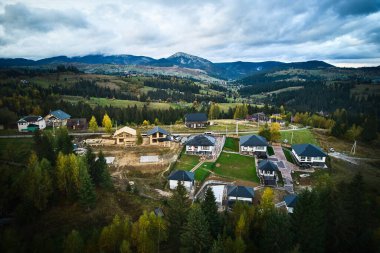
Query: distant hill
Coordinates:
[225,70]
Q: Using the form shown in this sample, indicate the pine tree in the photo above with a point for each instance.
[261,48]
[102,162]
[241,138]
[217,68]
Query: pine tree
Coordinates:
[73,243]
[87,196]
[369,129]
[210,210]
[178,208]
[195,236]
[100,173]
[107,123]
[63,141]
[93,125]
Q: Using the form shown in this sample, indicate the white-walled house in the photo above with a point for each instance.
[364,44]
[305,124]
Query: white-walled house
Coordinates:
[239,193]
[309,154]
[253,145]
[267,172]
[201,145]
[31,123]
[186,178]
[290,201]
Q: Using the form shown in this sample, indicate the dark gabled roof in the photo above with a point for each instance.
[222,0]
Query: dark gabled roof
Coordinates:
[290,200]
[196,117]
[253,141]
[240,191]
[31,118]
[267,165]
[201,140]
[157,129]
[59,114]
[181,175]
[308,150]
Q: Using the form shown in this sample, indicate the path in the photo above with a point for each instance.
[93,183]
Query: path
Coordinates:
[285,168]
[197,166]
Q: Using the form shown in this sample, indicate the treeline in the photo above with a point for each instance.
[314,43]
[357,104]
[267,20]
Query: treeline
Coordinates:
[176,96]
[89,88]
[267,87]
[173,84]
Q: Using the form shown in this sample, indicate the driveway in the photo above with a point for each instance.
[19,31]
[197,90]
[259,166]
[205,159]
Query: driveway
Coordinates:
[285,168]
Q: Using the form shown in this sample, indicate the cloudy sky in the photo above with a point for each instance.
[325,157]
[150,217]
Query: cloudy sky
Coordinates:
[342,32]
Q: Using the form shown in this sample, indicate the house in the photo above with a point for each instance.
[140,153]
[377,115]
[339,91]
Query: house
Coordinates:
[267,172]
[259,117]
[181,176]
[239,193]
[309,155]
[201,145]
[253,145]
[158,136]
[31,123]
[125,136]
[57,118]
[77,124]
[290,202]
[196,120]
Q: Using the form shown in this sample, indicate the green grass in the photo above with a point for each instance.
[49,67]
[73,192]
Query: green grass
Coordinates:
[231,144]
[236,166]
[204,171]
[186,162]
[16,149]
[270,150]
[299,137]
[288,155]
[93,101]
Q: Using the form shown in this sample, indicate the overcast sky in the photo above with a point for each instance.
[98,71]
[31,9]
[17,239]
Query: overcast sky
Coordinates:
[341,32]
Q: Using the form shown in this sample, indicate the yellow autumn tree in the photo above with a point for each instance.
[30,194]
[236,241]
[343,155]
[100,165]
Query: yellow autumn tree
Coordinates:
[275,131]
[93,125]
[107,123]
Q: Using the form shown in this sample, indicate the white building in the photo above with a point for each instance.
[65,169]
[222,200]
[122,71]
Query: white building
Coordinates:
[253,145]
[31,123]
[309,154]
[186,178]
[267,172]
[201,145]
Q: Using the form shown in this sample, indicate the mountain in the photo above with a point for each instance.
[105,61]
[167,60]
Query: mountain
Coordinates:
[180,60]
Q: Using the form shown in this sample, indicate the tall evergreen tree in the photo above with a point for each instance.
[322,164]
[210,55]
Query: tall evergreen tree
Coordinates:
[210,210]
[177,211]
[87,195]
[195,236]
[93,125]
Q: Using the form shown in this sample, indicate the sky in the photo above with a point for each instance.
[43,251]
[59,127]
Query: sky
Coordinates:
[341,32]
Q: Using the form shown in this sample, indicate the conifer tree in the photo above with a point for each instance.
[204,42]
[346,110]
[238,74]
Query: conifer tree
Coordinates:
[195,236]
[178,207]
[107,123]
[210,210]
[87,196]
[93,125]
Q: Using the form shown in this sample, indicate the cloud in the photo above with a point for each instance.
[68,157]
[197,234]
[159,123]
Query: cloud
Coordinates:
[217,30]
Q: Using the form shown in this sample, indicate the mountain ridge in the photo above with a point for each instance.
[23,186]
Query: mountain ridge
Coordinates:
[223,70]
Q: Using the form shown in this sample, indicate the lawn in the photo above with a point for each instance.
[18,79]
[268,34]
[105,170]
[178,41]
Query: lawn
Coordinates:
[186,162]
[231,144]
[93,101]
[299,136]
[15,149]
[236,166]
[288,155]
[204,171]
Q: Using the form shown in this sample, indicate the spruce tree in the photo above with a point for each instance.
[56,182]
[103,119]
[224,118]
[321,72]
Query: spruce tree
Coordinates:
[177,211]
[87,195]
[195,236]
[210,210]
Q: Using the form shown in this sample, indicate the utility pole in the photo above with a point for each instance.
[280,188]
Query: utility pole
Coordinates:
[291,140]
[237,128]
